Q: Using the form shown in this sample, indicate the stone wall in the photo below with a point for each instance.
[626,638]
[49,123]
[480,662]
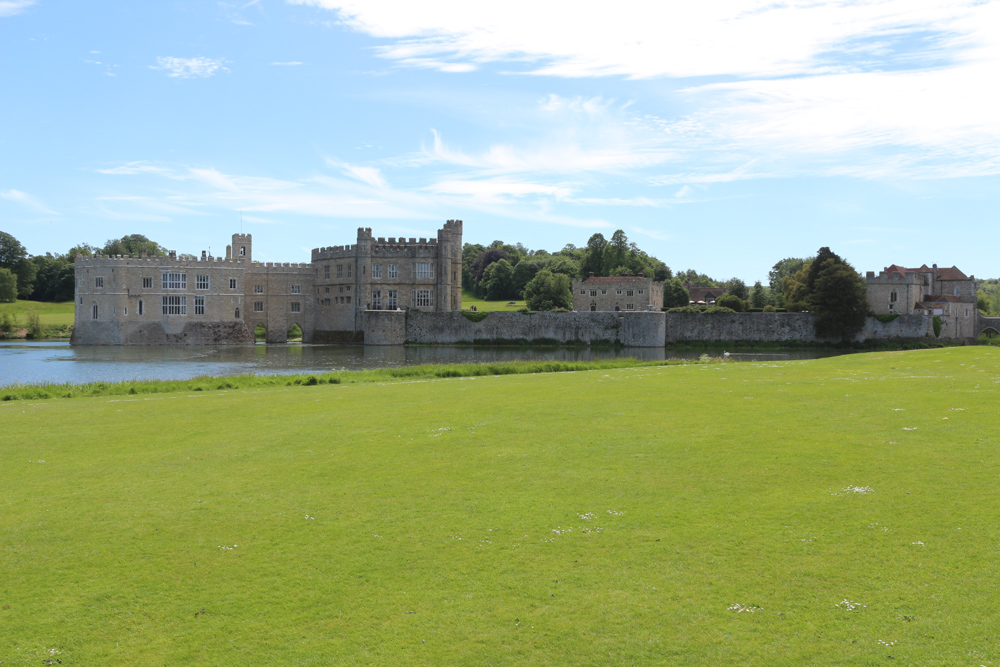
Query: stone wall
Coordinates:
[781,327]
[90,332]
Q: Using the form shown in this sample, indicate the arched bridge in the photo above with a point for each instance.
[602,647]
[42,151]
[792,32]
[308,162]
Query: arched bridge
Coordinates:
[987,325]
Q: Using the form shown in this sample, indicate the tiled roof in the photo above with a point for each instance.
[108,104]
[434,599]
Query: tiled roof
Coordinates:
[941,298]
[951,274]
[606,280]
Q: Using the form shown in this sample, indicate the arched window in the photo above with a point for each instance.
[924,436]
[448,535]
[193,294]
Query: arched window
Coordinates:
[893,297]
[237,313]
[140,306]
[956,291]
[93,312]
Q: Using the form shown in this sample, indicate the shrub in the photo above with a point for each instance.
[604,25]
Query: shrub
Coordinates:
[524,311]
[886,317]
[732,302]
[769,309]
[718,310]
[937,326]
[8,323]
[35,328]
[475,315]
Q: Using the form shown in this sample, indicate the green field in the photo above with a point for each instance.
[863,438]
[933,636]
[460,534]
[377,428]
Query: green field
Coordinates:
[839,511]
[50,313]
[469,300]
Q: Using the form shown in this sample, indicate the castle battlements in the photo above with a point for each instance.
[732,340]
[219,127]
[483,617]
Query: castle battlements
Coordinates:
[129,260]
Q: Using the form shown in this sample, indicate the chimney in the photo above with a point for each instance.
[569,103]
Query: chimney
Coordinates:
[204,255]
[591,274]
[173,254]
[144,254]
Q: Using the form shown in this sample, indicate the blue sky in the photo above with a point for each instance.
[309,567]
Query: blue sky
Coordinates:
[721,138]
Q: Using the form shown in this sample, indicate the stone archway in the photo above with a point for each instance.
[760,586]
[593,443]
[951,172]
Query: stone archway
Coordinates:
[260,333]
[294,333]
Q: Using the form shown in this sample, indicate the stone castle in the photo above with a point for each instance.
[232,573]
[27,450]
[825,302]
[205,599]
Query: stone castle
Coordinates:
[617,293]
[928,290]
[210,300]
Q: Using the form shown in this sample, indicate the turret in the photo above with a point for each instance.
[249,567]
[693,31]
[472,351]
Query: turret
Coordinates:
[242,248]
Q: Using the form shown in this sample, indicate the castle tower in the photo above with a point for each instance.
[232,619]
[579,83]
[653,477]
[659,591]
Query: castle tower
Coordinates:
[363,271]
[243,247]
[449,278]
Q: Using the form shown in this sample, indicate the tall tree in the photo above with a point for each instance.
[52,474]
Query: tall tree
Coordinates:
[548,291]
[675,295]
[8,286]
[838,299]
[13,256]
[133,244]
[758,297]
[594,260]
[737,288]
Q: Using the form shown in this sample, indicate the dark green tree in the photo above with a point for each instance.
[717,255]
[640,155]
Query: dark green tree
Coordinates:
[8,286]
[838,298]
[758,297]
[496,284]
[594,259]
[786,268]
[737,288]
[54,278]
[675,295]
[133,244]
[13,256]
[548,291]
[732,302]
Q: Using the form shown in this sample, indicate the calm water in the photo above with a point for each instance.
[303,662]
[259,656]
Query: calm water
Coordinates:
[57,361]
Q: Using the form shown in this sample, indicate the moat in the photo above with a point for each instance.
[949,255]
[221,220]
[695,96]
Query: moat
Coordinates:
[56,361]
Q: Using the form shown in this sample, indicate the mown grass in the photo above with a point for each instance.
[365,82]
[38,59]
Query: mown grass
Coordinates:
[469,300]
[18,392]
[604,517]
[50,313]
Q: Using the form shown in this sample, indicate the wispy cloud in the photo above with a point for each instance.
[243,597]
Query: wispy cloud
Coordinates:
[291,63]
[27,201]
[12,7]
[189,68]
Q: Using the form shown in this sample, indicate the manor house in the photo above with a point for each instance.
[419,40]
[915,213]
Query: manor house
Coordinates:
[946,293]
[617,293]
[210,300]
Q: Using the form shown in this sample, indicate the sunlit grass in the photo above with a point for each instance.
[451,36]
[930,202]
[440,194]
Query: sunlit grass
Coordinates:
[49,313]
[469,300]
[833,512]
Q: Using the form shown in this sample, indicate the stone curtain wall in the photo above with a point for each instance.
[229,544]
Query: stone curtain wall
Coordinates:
[781,327]
[89,332]
[639,329]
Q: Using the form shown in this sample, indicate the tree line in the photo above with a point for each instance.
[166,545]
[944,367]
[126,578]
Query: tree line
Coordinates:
[50,277]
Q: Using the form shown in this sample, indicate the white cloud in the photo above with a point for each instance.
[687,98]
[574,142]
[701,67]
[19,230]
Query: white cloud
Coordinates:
[188,68]
[291,63]
[653,233]
[12,7]
[495,189]
[640,39]
[26,200]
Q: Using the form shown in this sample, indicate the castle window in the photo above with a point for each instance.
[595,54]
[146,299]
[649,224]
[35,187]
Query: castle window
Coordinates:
[583,292]
[348,299]
[258,289]
[376,271]
[393,270]
[81,300]
[630,292]
[629,306]
[956,290]
[340,271]
[893,297]
[174,280]
[140,304]
[604,292]
[93,312]
[393,301]
[327,290]
[423,298]
[258,306]
[99,281]
[376,299]
[147,283]
[175,305]
[640,291]
[243,250]
[350,268]
[200,282]
[326,272]
[126,311]
[232,283]
[618,292]
[199,305]
[593,292]
[348,288]
[424,270]
[296,289]
[237,313]
[296,306]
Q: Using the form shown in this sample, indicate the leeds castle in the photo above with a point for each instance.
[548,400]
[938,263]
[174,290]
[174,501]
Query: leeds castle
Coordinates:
[210,300]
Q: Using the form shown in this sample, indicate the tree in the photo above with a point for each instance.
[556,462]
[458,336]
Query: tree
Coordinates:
[758,297]
[786,268]
[731,301]
[14,257]
[594,260]
[55,278]
[548,291]
[497,280]
[133,244]
[616,253]
[8,286]
[796,295]
[524,272]
[737,288]
[838,299]
[675,295]
[84,249]
[485,258]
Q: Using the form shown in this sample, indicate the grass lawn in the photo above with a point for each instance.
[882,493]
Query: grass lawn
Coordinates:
[49,313]
[837,511]
[469,300]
